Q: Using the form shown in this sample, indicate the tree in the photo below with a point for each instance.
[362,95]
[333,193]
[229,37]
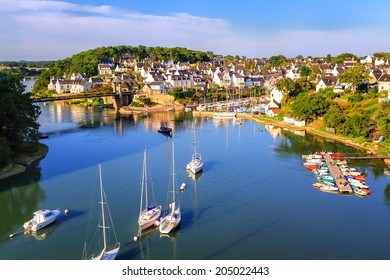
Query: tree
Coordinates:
[340,58]
[355,76]
[277,60]
[305,71]
[287,87]
[334,117]
[19,116]
[309,107]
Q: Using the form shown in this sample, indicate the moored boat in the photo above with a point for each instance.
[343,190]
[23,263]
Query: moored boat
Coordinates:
[41,219]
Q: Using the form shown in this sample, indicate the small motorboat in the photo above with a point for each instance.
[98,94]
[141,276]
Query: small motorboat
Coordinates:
[165,130]
[42,218]
[358,191]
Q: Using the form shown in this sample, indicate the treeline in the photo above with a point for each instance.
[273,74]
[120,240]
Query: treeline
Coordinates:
[29,64]
[87,61]
[23,71]
[18,119]
[349,114]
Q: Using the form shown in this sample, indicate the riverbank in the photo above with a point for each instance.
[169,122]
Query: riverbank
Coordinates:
[126,110]
[370,147]
[19,163]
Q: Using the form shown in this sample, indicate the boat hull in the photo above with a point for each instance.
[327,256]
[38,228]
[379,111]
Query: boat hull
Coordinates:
[35,225]
[147,219]
[224,115]
[170,222]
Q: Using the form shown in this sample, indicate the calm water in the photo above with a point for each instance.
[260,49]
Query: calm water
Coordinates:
[254,199]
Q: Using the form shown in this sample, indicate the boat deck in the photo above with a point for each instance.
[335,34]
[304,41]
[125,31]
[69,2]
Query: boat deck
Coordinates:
[335,171]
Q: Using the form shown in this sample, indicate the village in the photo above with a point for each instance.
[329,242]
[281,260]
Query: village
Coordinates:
[160,78]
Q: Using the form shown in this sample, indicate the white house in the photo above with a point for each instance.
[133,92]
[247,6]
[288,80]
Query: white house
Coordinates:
[379,61]
[276,96]
[73,86]
[104,69]
[293,74]
[237,80]
[183,81]
[326,81]
[366,60]
[384,82]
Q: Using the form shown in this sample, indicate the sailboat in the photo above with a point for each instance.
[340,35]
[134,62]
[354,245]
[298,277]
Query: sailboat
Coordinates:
[173,218]
[225,114]
[109,252]
[196,163]
[148,215]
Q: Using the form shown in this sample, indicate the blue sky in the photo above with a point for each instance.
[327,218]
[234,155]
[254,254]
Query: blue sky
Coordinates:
[51,30]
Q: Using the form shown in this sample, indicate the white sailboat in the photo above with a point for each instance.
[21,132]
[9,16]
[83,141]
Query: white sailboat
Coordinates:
[225,114]
[109,252]
[148,214]
[173,218]
[196,163]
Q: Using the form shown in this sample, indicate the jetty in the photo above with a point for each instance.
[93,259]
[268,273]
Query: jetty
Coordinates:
[335,171]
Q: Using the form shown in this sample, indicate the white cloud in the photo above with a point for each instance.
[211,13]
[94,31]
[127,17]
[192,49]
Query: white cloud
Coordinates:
[54,30]
[33,30]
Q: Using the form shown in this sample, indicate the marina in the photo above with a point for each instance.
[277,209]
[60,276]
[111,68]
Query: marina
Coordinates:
[249,168]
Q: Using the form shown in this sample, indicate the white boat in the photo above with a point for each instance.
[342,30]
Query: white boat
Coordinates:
[224,115]
[328,188]
[41,219]
[108,252]
[148,214]
[196,163]
[173,218]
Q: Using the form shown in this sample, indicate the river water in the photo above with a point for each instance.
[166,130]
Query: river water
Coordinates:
[254,199]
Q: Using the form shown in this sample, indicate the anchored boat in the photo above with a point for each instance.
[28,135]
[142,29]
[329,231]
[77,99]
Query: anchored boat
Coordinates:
[41,219]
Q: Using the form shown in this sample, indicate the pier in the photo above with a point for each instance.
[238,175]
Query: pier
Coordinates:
[335,171]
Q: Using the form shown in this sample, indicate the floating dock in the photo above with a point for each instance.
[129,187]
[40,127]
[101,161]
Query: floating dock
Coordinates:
[335,171]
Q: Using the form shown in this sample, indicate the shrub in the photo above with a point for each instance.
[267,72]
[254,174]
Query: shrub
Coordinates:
[5,151]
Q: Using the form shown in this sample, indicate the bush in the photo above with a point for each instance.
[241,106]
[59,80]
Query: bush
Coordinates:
[5,151]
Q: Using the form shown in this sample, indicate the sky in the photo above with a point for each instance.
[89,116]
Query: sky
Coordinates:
[53,30]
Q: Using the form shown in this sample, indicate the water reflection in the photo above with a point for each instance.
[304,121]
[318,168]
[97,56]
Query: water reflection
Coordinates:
[386,195]
[19,198]
[42,233]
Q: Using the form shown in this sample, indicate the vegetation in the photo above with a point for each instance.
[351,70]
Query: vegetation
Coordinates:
[18,118]
[357,75]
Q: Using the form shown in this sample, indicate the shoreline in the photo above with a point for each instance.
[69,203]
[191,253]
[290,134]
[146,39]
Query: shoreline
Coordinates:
[307,129]
[19,164]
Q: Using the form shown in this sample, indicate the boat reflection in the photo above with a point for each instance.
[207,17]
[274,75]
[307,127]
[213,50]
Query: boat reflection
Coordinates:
[42,233]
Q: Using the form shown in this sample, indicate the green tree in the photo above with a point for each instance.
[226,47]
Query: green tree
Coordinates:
[277,60]
[177,93]
[357,125]
[334,117]
[305,71]
[5,151]
[19,116]
[309,107]
[355,76]
[340,58]
[287,87]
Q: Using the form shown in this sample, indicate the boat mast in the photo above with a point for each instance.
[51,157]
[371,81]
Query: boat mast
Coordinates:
[194,140]
[102,204]
[173,176]
[146,183]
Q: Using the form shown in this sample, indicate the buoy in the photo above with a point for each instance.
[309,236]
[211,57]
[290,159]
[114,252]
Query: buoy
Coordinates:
[157,223]
[135,238]
[182,187]
[66,211]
